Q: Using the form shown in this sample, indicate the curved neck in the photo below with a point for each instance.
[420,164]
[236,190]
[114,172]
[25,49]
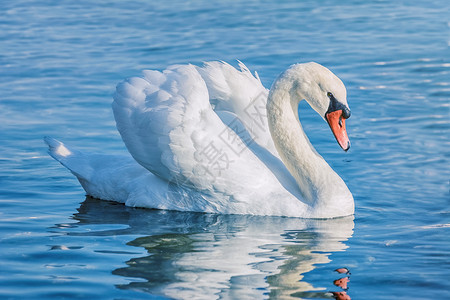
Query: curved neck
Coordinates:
[311,172]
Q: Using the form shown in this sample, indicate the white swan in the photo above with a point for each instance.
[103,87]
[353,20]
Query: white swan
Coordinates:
[213,139]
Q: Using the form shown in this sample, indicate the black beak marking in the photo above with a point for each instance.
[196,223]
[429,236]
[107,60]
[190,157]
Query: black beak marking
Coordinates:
[336,105]
[348,146]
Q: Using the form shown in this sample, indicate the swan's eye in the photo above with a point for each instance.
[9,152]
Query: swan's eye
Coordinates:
[330,95]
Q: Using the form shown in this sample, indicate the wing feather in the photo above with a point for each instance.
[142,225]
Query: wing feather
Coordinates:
[241,93]
[169,127]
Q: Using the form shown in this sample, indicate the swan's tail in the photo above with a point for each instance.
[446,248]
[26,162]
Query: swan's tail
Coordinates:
[75,161]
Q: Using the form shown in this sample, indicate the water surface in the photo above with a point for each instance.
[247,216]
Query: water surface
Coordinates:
[59,64]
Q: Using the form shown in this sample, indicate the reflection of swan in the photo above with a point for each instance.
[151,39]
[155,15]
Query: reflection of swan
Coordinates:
[204,135]
[204,256]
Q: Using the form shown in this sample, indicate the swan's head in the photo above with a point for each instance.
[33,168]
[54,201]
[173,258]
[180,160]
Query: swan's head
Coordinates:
[326,94]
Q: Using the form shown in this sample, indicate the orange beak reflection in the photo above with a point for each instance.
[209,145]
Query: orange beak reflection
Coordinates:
[337,124]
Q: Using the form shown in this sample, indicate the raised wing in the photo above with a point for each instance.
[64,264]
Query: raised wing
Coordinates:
[241,93]
[168,125]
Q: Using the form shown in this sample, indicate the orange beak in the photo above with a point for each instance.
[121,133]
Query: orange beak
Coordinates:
[337,124]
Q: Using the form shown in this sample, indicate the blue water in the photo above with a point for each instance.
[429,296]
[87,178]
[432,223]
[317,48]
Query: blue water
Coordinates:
[59,64]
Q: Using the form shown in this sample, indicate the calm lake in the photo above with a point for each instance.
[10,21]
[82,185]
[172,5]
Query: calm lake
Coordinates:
[59,65]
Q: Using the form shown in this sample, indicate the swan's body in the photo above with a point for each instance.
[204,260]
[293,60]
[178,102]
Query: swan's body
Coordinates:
[213,139]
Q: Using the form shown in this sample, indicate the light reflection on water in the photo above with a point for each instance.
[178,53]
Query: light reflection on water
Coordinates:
[202,256]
